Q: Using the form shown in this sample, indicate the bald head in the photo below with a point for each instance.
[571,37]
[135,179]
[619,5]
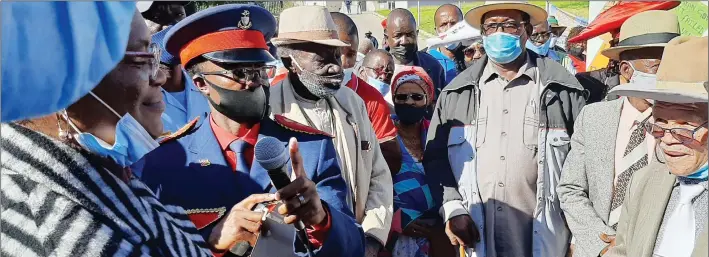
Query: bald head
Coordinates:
[365,46]
[402,34]
[347,32]
[378,64]
[446,16]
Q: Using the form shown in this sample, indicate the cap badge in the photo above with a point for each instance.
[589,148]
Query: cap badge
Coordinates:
[245,22]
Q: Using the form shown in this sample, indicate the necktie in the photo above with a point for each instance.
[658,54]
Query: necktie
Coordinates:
[679,235]
[238,147]
[634,159]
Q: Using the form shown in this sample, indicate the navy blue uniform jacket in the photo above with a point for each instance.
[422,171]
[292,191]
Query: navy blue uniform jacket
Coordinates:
[191,172]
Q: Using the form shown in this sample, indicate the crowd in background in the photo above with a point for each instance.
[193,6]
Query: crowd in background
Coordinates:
[150,130]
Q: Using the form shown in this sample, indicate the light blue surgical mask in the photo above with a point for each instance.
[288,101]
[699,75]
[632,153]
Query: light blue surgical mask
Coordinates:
[132,141]
[84,49]
[453,46]
[501,47]
[542,50]
[382,87]
[701,174]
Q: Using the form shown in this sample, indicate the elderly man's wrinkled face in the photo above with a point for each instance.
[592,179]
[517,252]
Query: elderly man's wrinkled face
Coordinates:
[318,67]
[681,131]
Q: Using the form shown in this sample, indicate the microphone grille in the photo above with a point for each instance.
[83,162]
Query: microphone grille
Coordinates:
[271,153]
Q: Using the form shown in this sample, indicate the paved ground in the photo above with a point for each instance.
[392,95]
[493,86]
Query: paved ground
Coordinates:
[372,22]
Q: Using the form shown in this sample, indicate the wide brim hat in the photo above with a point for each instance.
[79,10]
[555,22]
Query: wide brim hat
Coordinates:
[556,29]
[646,29]
[307,24]
[475,15]
[682,76]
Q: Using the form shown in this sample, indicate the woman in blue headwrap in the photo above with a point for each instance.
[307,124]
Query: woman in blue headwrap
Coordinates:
[74,194]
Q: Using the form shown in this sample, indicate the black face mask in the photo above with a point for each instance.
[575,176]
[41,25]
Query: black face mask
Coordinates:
[409,114]
[404,53]
[245,106]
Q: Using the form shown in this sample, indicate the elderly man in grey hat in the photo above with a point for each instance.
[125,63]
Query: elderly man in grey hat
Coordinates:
[311,94]
[666,210]
[609,143]
[499,137]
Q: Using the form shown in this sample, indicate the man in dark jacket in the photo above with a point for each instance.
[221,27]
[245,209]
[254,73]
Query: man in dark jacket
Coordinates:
[402,39]
[498,139]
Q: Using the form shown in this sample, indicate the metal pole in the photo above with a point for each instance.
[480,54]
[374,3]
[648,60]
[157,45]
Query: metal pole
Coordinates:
[418,10]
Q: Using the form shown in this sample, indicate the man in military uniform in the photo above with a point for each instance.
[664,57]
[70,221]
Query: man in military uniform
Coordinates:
[209,171]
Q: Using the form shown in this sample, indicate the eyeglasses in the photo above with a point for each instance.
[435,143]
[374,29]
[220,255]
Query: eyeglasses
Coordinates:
[508,27]
[540,37]
[247,73]
[381,71]
[413,96]
[682,134]
[153,58]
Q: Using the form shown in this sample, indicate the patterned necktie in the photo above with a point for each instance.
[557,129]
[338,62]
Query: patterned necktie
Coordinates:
[238,147]
[634,159]
[679,235]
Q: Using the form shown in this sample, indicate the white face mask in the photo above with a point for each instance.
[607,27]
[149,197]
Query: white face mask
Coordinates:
[642,78]
[132,141]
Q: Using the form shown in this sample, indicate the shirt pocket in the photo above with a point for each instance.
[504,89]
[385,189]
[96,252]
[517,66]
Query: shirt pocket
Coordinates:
[530,127]
[481,124]
[460,150]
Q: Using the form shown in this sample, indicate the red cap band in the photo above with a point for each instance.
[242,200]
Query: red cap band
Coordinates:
[222,40]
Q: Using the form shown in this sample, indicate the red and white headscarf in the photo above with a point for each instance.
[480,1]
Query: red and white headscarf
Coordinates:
[416,75]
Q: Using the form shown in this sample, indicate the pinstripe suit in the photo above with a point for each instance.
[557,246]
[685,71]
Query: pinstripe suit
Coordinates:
[586,185]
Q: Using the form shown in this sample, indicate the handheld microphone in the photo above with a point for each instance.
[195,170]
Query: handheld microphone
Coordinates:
[273,156]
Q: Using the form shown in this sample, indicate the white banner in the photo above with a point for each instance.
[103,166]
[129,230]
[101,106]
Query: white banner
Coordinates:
[460,32]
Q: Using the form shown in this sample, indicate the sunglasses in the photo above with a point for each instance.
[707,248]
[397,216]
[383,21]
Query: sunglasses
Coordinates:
[153,58]
[684,135]
[380,72]
[413,96]
[247,73]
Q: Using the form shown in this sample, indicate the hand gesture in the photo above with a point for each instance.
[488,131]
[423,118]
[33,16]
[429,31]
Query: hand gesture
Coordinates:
[240,224]
[610,240]
[300,197]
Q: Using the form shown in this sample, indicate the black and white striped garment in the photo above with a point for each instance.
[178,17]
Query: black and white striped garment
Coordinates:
[56,203]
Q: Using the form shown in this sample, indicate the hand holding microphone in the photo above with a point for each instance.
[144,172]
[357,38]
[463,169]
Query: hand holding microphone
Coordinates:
[299,194]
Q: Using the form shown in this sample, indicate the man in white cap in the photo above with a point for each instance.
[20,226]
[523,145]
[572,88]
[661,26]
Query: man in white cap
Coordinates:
[499,137]
[312,94]
[159,15]
[666,210]
[609,143]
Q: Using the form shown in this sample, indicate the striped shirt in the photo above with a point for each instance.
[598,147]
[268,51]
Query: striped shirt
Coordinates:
[56,202]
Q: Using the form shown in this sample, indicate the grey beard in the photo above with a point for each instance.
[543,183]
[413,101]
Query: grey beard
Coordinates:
[320,86]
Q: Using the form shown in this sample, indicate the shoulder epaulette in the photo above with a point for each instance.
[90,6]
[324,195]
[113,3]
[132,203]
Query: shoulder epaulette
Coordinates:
[185,130]
[297,127]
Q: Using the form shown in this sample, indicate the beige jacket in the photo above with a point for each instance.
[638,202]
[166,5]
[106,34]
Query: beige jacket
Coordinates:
[361,160]
[643,211]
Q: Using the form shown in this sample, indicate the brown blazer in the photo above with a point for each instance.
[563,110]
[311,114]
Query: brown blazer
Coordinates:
[642,214]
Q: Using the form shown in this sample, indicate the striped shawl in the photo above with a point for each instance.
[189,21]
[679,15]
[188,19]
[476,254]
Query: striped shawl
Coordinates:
[55,202]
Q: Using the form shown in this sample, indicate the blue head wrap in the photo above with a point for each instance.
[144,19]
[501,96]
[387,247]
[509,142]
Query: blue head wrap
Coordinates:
[54,53]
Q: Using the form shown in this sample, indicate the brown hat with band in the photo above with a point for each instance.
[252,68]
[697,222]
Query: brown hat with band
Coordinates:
[304,24]
[646,29]
[682,76]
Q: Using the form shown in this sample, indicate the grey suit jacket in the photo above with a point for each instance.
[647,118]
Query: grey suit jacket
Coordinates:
[643,211]
[586,185]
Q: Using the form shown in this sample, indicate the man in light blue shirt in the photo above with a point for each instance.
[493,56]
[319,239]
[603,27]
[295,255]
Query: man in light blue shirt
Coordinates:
[183,101]
[451,57]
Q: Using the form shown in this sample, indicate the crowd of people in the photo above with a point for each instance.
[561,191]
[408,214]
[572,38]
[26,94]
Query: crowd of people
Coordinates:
[138,134]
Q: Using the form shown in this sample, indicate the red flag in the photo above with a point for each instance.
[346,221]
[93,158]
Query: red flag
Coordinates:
[611,19]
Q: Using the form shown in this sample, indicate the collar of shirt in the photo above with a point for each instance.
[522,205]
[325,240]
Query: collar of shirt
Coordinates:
[224,138]
[629,112]
[527,69]
[346,82]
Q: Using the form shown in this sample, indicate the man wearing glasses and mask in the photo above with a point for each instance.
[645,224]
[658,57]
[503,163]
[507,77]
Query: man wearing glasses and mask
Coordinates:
[209,169]
[499,137]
